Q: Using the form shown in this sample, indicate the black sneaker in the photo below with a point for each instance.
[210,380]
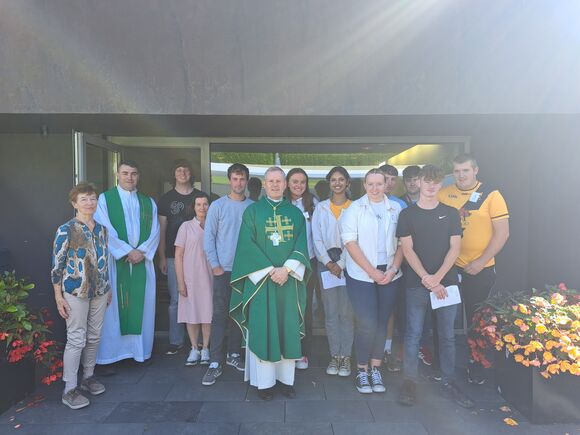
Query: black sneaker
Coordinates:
[408,393]
[475,374]
[362,382]
[213,372]
[377,381]
[173,349]
[451,391]
[235,360]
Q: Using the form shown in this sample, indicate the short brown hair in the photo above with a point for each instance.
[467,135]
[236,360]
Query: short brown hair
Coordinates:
[464,158]
[431,173]
[80,189]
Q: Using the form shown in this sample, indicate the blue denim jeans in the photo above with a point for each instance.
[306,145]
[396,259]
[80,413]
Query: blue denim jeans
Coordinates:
[372,305]
[176,330]
[418,305]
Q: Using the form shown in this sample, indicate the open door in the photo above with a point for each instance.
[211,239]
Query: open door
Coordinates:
[95,160]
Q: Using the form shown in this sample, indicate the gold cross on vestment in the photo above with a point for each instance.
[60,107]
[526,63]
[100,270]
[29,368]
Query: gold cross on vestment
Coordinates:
[282,226]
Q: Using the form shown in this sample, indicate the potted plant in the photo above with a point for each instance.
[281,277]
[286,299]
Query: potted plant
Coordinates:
[24,342]
[537,338]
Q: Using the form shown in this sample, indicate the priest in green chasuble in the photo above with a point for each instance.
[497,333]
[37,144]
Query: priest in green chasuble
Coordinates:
[269,275]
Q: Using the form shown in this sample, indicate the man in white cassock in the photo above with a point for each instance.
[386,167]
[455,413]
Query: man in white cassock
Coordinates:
[268,300]
[131,220]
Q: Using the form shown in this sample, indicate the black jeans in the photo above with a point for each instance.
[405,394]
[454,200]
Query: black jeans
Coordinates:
[222,292]
[475,289]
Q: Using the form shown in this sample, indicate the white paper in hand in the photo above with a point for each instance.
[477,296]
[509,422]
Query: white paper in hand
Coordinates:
[331,281]
[453,298]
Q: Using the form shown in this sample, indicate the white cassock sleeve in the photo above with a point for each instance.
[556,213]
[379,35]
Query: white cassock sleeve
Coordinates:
[117,248]
[149,246]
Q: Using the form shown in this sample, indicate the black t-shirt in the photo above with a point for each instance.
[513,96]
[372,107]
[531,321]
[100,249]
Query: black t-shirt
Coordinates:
[430,230]
[177,208]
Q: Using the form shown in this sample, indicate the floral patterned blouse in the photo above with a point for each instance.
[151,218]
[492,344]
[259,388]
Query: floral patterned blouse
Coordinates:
[80,259]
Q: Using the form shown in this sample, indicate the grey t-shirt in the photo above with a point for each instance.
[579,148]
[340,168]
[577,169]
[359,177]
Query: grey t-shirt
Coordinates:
[222,227]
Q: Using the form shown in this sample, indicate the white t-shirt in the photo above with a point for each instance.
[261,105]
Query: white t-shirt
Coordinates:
[381,214]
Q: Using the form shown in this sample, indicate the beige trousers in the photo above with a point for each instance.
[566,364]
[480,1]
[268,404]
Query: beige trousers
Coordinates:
[83,333]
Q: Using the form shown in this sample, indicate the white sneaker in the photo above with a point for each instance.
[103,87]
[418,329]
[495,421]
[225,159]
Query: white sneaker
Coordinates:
[204,357]
[302,363]
[193,358]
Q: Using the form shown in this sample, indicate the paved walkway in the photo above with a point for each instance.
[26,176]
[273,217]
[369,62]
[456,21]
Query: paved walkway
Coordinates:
[165,397]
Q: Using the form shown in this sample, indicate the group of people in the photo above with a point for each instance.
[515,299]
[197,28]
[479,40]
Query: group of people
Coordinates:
[241,274]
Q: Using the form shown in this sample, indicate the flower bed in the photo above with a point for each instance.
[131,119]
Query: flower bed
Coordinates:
[24,342]
[540,331]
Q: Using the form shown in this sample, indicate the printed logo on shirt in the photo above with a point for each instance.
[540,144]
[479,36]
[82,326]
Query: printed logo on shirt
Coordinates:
[176,207]
[442,217]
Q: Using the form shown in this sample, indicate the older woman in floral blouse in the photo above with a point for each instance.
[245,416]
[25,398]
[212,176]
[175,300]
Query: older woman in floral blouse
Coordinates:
[81,291]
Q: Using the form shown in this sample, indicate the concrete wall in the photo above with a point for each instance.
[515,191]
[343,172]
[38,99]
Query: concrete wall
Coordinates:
[36,174]
[289,57]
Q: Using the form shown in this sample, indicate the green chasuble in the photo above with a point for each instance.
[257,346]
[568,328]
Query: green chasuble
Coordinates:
[131,279]
[273,315]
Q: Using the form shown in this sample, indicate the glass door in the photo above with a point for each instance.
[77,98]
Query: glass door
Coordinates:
[96,160]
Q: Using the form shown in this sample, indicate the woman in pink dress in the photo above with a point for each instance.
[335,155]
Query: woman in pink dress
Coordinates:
[194,281]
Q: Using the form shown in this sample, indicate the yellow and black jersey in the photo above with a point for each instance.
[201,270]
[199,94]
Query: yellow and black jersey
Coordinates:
[478,207]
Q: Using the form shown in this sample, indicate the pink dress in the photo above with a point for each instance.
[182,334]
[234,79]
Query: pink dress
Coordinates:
[197,306]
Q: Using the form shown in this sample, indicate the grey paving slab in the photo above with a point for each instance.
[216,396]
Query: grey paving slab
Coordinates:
[305,390]
[174,428]
[327,411]
[286,429]
[52,411]
[350,428]
[74,429]
[345,390]
[315,373]
[134,393]
[242,412]
[154,412]
[181,373]
[124,375]
[220,391]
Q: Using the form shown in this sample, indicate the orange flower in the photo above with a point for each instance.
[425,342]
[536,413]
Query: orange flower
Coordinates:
[526,362]
[510,347]
[564,339]
[541,328]
[519,357]
[556,333]
[524,327]
[548,357]
[536,345]
[519,322]
[575,369]
[523,309]
[575,324]
[551,344]
[554,369]
[565,366]
[545,374]
[509,338]
[535,319]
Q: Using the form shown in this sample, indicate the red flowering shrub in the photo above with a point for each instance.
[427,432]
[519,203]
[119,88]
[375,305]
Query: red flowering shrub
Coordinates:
[541,329]
[24,333]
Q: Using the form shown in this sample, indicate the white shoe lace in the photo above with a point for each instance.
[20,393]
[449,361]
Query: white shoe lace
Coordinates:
[376,377]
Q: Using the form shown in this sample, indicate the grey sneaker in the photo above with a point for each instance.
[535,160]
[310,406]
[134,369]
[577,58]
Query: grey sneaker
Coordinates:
[235,360]
[193,357]
[93,386]
[344,367]
[213,372]
[204,357]
[74,399]
[332,368]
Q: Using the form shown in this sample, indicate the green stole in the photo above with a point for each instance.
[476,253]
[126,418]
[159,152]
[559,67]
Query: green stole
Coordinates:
[131,279]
